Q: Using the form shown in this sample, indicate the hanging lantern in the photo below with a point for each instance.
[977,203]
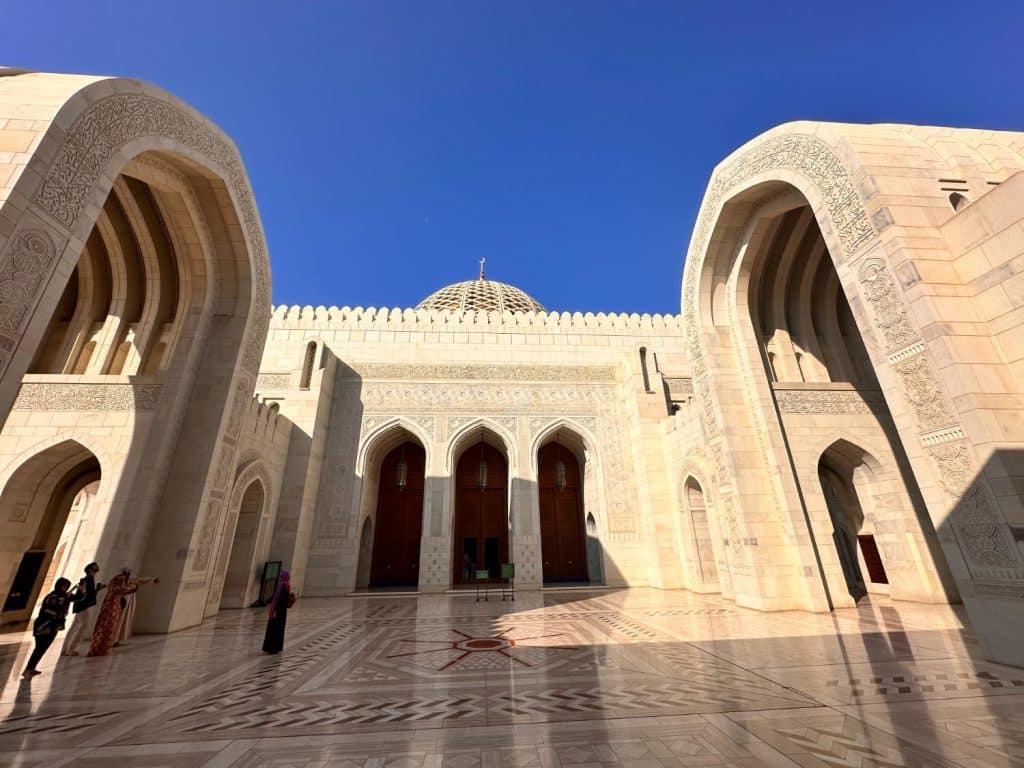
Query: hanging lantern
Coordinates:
[481,470]
[559,466]
[402,472]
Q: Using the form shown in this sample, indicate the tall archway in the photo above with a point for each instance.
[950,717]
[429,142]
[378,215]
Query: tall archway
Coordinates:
[37,499]
[810,349]
[241,579]
[790,336]
[141,259]
[390,515]
[396,545]
[563,534]
[480,521]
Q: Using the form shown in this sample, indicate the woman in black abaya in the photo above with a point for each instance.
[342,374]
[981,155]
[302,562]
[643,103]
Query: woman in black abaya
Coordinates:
[273,641]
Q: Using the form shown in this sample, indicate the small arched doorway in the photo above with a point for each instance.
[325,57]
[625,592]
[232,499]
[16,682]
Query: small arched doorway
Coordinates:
[240,575]
[706,568]
[563,534]
[396,545]
[36,503]
[481,513]
[854,540]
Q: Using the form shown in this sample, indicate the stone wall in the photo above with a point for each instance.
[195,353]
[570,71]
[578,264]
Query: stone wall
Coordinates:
[441,375]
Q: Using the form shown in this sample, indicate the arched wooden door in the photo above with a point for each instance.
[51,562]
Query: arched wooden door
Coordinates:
[396,541]
[481,513]
[562,532]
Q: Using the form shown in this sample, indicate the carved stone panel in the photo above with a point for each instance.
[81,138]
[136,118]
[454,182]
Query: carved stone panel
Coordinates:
[38,396]
[29,261]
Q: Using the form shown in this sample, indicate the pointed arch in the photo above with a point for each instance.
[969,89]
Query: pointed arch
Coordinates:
[386,435]
[37,498]
[494,434]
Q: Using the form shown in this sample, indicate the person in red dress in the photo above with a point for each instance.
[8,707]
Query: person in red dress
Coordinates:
[105,633]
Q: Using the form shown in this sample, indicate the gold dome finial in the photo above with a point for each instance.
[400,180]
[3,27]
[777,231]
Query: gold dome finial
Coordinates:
[482,261]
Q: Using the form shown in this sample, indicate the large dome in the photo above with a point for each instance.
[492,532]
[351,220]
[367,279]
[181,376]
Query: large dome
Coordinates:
[481,294]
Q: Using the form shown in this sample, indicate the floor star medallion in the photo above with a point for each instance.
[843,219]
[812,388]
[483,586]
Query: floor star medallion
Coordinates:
[467,650]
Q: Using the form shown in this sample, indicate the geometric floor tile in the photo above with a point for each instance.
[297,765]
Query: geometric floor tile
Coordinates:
[640,678]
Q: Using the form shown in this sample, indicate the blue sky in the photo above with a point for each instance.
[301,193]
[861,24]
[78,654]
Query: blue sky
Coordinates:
[392,144]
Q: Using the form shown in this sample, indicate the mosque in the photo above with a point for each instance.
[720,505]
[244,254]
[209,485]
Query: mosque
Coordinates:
[837,412]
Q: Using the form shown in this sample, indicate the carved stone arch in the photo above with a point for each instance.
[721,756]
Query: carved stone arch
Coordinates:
[88,442]
[569,424]
[805,162]
[596,500]
[490,427]
[252,470]
[90,131]
[379,433]
[99,128]
[820,163]
[698,464]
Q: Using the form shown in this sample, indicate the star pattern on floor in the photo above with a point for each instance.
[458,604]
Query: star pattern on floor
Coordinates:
[616,678]
[454,653]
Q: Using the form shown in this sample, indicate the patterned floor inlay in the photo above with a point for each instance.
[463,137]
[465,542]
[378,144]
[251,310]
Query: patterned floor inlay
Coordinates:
[631,678]
[478,651]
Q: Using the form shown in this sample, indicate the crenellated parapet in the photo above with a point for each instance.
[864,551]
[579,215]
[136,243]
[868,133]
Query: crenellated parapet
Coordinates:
[378,318]
[264,420]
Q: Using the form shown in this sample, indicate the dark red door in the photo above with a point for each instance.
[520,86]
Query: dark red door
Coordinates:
[562,531]
[481,514]
[399,523]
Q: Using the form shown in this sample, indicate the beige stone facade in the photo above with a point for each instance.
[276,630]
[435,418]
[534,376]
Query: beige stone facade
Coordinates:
[837,412]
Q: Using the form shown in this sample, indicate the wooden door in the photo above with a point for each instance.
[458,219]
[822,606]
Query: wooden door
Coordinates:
[399,522]
[562,531]
[481,514]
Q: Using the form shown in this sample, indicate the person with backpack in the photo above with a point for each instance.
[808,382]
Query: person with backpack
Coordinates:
[48,623]
[83,610]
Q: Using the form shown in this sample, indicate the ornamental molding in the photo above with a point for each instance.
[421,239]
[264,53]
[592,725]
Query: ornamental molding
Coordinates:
[539,424]
[880,290]
[37,396]
[273,381]
[488,398]
[372,421]
[838,402]
[679,387]
[539,373]
[210,520]
[509,423]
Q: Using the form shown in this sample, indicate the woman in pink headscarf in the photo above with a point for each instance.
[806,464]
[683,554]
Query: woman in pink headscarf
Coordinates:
[273,641]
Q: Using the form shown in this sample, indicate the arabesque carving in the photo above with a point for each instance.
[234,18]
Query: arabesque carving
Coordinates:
[809,156]
[810,401]
[881,291]
[31,259]
[105,128]
[467,372]
[65,396]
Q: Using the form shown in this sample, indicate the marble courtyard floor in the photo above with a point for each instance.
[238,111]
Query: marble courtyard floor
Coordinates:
[638,678]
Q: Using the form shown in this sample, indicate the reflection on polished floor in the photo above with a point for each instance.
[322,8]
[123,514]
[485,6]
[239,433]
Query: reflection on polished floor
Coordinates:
[635,677]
